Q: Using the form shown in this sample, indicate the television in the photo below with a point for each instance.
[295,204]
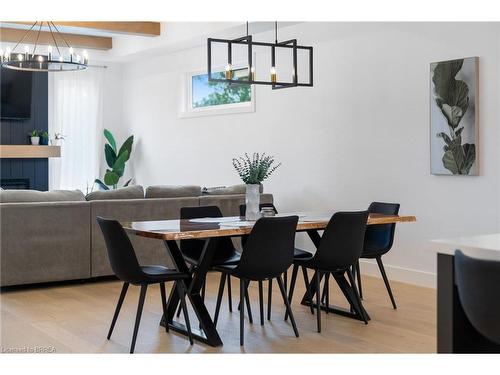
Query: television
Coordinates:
[15,94]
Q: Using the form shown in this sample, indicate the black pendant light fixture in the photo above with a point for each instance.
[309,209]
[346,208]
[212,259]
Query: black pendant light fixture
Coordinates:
[35,61]
[250,78]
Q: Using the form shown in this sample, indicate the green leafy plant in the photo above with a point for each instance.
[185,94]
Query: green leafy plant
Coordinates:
[44,134]
[452,98]
[34,133]
[256,169]
[115,159]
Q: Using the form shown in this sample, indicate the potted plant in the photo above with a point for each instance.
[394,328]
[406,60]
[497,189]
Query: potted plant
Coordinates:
[116,159]
[253,171]
[34,137]
[44,138]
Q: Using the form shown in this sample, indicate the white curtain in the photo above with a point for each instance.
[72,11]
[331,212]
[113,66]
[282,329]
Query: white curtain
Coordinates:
[75,111]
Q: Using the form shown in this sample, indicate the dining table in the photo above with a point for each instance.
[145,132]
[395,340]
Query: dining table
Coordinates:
[210,230]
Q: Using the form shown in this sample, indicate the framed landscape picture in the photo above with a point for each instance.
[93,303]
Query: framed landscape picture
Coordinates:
[454,121]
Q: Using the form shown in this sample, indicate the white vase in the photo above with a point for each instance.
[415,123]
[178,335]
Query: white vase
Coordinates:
[252,201]
[35,141]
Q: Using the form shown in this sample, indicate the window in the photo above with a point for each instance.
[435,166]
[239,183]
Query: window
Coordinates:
[204,98]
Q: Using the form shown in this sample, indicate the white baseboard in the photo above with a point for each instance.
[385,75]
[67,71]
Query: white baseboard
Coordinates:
[396,273]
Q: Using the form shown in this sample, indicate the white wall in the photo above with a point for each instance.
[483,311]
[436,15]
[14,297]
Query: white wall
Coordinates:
[361,134]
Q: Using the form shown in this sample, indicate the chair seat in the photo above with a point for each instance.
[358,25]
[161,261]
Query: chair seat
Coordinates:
[301,254]
[157,274]
[233,259]
[371,251]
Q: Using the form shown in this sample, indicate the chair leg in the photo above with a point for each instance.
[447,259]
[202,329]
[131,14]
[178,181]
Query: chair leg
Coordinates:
[308,291]
[247,298]
[287,304]
[243,293]
[181,290]
[229,296]
[295,270]
[386,281]
[318,299]
[118,307]
[269,298]
[219,297]
[358,275]
[327,289]
[261,303]
[142,296]
[356,295]
[164,302]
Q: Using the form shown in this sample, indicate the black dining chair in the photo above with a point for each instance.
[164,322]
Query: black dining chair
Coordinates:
[126,267]
[225,254]
[477,283]
[339,248]
[378,241]
[267,253]
[297,254]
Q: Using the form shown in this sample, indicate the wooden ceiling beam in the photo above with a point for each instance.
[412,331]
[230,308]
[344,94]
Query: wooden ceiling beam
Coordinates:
[132,28]
[74,40]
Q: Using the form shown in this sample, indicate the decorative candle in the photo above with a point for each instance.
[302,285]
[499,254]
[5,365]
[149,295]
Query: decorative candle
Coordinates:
[49,50]
[40,60]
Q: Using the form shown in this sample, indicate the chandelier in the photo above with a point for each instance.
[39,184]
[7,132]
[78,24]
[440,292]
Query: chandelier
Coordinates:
[35,61]
[250,77]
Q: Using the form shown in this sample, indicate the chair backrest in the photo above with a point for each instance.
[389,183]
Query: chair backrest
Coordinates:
[120,251]
[478,283]
[342,241]
[243,208]
[225,246]
[379,238]
[268,250]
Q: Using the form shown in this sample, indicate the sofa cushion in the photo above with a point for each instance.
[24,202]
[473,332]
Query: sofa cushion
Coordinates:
[22,196]
[173,191]
[129,192]
[228,190]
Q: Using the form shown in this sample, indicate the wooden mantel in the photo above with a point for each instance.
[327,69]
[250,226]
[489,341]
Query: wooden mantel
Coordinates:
[29,151]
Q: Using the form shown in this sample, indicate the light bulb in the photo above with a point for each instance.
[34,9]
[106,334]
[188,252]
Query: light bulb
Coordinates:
[40,58]
[20,57]
[1,52]
[49,49]
[61,59]
[7,52]
[229,71]
[273,74]
[70,50]
[26,49]
[78,58]
[85,54]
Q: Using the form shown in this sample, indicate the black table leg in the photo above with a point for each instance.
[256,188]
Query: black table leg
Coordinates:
[344,287]
[194,284]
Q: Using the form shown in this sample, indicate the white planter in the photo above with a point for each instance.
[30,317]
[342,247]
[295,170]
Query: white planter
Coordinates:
[252,201]
[35,141]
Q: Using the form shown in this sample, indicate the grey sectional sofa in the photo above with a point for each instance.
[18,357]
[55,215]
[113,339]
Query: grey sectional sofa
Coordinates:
[53,236]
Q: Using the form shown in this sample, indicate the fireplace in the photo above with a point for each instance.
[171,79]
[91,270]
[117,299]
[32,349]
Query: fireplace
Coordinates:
[15,183]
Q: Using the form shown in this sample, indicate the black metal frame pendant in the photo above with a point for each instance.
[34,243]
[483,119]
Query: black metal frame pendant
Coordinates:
[250,80]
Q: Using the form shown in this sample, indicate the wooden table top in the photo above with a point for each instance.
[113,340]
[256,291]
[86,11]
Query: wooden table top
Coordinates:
[171,230]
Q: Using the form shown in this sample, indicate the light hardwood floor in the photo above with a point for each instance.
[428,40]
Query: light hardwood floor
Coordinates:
[75,319]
